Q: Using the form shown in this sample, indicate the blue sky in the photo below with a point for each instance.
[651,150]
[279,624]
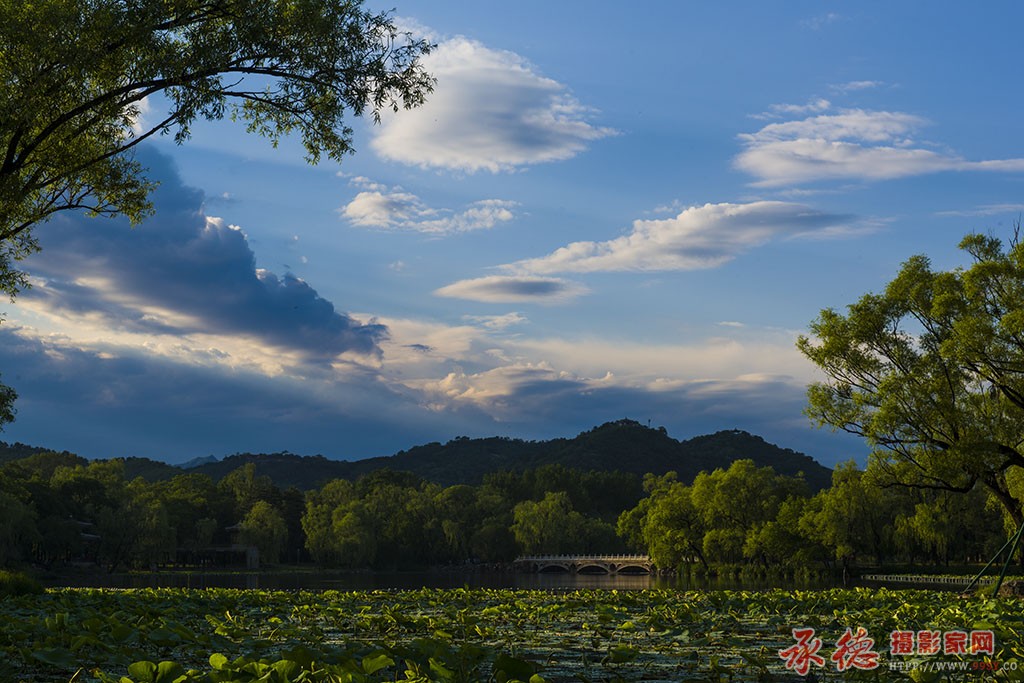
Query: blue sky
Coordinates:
[598,214]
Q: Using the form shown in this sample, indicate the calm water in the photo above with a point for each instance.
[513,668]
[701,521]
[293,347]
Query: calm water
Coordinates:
[415,580]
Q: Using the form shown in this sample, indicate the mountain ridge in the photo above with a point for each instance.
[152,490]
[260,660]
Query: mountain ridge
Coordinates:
[622,445]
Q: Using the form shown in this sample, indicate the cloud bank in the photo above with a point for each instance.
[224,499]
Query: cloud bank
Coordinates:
[531,385]
[436,382]
[106,399]
[490,111]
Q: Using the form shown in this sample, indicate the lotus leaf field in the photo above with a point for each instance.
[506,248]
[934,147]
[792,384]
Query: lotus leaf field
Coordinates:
[229,636]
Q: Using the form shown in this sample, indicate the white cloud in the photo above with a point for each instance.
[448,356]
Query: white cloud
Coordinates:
[378,206]
[490,111]
[426,351]
[853,124]
[674,206]
[504,289]
[138,116]
[851,144]
[819,22]
[814,106]
[415,347]
[378,210]
[496,322]
[985,210]
[799,161]
[364,183]
[490,389]
[92,333]
[699,237]
[743,352]
[853,86]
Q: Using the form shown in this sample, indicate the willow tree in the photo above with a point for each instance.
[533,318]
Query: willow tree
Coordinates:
[77,77]
[931,373]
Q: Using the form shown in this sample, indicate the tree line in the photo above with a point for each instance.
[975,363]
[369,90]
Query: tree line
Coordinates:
[751,515]
[56,509]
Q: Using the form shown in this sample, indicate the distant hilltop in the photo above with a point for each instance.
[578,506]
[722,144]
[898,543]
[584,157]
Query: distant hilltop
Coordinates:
[198,462]
[623,445]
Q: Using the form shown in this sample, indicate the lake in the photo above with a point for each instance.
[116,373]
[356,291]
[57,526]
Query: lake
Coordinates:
[311,580]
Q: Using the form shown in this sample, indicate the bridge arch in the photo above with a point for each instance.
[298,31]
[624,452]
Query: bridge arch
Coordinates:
[609,564]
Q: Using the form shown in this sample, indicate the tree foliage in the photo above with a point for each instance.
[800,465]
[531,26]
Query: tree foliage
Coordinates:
[265,528]
[931,372]
[7,395]
[753,517]
[719,518]
[548,526]
[666,524]
[75,76]
[854,518]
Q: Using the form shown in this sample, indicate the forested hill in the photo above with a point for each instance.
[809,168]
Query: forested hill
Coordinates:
[17,451]
[624,445]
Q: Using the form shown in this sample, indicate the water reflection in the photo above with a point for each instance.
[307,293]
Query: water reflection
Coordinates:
[434,579]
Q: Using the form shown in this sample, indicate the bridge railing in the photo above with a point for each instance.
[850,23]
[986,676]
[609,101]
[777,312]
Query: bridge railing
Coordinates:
[925,578]
[576,558]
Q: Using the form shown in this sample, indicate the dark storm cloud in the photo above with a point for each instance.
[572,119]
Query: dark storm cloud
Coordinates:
[183,271]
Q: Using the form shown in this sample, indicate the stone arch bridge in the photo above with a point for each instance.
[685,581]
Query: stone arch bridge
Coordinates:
[607,564]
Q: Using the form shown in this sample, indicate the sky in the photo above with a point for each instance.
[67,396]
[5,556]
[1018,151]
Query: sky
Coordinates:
[598,214]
